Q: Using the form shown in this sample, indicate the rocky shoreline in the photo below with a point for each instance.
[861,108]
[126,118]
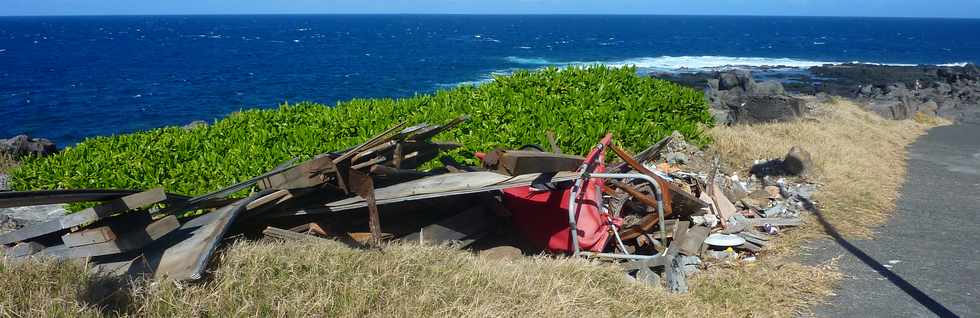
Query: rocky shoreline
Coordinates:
[896,92]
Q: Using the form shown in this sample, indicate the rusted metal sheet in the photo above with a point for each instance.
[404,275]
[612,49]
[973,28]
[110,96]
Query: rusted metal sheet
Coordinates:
[123,204]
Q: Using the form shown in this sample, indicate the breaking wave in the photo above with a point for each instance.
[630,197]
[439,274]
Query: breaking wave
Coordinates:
[691,63]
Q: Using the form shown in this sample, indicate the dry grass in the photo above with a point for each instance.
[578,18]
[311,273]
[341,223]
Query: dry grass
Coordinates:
[859,159]
[263,279]
[6,162]
[860,162]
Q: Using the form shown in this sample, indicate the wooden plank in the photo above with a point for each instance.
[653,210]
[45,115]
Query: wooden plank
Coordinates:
[30,198]
[676,280]
[289,235]
[128,241]
[695,236]
[107,229]
[518,162]
[650,154]
[444,185]
[275,196]
[126,203]
[776,221]
[186,253]
[464,228]
[310,173]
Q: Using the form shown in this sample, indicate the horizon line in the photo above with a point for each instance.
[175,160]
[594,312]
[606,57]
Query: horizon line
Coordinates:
[483,14]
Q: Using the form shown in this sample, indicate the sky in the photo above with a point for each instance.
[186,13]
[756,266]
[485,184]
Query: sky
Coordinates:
[865,8]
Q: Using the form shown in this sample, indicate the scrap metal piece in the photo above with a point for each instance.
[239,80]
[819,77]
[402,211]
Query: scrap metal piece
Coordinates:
[130,202]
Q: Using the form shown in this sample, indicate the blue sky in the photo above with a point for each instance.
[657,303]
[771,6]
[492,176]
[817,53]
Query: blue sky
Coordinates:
[877,8]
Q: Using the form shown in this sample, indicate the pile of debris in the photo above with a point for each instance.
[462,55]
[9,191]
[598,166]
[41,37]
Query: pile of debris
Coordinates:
[655,214]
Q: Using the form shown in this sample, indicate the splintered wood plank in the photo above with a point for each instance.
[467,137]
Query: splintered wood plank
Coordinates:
[186,253]
[29,198]
[444,185]
[125,242]
[517,162]
[310,173]
[289,235]
[126,203]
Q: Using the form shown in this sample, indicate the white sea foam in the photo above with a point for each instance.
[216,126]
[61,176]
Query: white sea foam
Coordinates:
[677,64]
[697,63]
[681,63]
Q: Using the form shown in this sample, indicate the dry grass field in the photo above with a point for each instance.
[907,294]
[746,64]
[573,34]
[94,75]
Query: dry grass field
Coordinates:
[860,164]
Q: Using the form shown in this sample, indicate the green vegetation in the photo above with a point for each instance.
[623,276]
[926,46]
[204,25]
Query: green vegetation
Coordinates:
[578,104]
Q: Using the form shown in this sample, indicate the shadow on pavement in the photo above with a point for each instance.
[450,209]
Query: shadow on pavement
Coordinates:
[934,306]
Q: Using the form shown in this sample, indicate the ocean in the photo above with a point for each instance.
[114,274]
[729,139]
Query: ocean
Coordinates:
[68,78]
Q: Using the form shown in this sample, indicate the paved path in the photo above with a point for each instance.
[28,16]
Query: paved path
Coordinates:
[926,261]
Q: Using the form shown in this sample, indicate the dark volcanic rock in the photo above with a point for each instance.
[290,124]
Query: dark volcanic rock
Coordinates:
[736,98]
[24,145]
[897,92]
[766,108]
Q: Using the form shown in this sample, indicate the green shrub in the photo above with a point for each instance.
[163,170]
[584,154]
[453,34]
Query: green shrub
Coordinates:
[578,104]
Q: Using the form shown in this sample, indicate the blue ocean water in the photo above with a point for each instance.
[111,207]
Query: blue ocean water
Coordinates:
[67,78]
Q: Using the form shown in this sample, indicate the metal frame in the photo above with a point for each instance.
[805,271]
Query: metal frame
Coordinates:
[573,207]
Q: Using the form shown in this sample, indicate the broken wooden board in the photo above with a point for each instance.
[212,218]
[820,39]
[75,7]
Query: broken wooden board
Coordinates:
[30,198]
[459,230]
[123,204]
[184,254]
[107,229]
[290,235]
[304,175]
[775,221]
[125,242]
[652,153]
[693,240]
[443,185]
[518,162]
[724,207]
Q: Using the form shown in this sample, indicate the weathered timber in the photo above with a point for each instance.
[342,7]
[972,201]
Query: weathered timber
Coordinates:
[130,202]
[307,174]
[290,235]
[125,242]
[444,185]
[676,280]
[693,240]
[776,221]
[107,229]
[650,154]
[184,254]
[29,198]
[518,162]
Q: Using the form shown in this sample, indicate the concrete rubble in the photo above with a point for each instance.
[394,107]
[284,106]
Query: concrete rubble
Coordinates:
[661,215]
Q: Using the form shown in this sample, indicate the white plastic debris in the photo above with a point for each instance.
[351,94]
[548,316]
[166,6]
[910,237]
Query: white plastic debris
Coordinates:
[724,240]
